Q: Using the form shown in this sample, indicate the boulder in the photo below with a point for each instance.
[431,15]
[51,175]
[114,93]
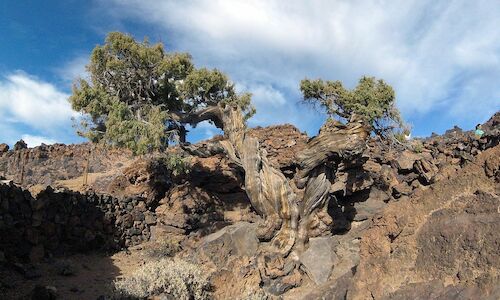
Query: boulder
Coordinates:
[337,186]
[160,232]
[150,218]
[446,172]
[346,248]
[401,189]
[372,205]
[146,178]
[189,207]
[357,180]
[388,176]
[449,242]
[20,145]
[333,289]
[372,166]
[231,241]
[492,167]
[280,285]
[426,169]
[319,259]
[405,161]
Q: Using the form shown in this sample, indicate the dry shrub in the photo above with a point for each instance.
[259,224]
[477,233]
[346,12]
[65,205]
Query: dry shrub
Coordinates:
[174,277]
[254,294]
[163,248]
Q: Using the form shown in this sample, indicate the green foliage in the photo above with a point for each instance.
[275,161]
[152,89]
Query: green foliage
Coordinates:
[141,136]
[137,91]
[400,137]
[210,87]
[371,98]
[176,164]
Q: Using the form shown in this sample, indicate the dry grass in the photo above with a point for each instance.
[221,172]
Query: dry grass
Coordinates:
[76,184]
[174,277]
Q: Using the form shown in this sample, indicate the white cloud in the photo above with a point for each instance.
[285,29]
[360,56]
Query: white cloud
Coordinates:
[27,100]
[74,69]
[33,140]
[205,130]
[264,94]
[439,55]
[33,108]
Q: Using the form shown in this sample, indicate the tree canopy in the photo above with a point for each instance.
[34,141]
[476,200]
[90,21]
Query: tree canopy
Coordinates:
[371,98]
[139,96]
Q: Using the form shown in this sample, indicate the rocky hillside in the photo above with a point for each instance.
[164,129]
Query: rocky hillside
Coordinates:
[414,221]
[440,243]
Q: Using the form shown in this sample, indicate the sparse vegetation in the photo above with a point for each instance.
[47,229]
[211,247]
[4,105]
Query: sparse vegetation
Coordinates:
[255,294]
[400,137]
[418,147]
[175,163]
[163,248]
[174,277]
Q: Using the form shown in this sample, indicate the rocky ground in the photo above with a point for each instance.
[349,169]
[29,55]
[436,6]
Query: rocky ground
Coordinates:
[419,221]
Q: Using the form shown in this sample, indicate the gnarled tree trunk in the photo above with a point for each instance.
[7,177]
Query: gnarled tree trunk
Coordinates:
[290,207]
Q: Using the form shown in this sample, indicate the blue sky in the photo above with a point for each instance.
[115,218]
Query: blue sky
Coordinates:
[442,57]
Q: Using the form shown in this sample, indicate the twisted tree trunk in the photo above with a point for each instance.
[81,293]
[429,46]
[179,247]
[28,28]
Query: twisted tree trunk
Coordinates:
[290,208]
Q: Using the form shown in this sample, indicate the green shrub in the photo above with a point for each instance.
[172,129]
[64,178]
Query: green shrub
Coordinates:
[176,164]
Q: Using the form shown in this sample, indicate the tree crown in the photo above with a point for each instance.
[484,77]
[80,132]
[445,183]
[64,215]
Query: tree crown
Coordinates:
[371,98]
[138,94]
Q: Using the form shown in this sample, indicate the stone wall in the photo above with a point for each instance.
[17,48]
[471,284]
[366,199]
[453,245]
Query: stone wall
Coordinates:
[62,221]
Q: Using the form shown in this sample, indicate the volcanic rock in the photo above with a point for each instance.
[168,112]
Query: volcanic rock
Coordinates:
[235,240]
[3,148]
[319,259]
[19,145]
[406,160]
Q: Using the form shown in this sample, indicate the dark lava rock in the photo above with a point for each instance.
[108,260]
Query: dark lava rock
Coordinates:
[20,145]
[44,293]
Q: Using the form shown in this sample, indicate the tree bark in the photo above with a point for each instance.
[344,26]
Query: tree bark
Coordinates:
[286,206]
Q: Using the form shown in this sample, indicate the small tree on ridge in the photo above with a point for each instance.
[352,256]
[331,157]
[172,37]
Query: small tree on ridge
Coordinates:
[373,99]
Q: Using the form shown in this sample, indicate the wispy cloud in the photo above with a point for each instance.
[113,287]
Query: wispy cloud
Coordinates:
[441,56]
[74,69]
[29,105]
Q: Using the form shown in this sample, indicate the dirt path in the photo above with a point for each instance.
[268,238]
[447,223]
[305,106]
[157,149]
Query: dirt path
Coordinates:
[88,276]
